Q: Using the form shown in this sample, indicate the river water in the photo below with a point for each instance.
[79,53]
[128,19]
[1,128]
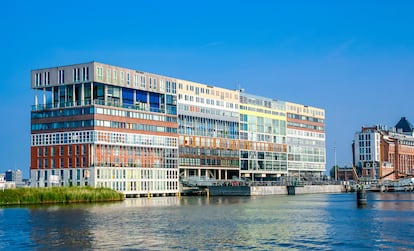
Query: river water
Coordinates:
[317,221]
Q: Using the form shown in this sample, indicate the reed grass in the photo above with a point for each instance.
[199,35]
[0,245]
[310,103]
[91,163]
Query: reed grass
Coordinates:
[25,196]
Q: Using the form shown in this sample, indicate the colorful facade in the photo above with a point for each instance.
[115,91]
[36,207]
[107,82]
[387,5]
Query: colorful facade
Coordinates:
[138,133]
[263,148]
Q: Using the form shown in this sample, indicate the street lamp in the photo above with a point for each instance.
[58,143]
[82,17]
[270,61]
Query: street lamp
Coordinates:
[335,165]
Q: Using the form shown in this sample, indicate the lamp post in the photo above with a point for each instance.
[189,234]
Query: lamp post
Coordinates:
[335,165]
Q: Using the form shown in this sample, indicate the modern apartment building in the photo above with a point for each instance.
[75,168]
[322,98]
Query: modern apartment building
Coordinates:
[382,153]
[138,133]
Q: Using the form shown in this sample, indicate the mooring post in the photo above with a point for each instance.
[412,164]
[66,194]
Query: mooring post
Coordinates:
[361,196]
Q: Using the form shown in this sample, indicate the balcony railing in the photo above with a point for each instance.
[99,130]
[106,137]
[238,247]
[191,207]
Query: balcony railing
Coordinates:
[138,106]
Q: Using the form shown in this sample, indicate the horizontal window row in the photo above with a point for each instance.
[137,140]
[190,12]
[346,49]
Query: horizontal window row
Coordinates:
[305,109]
[263,155]
[305,118]
[212,102]
[209,162]
[207,110]
[142,174]
[301,133]
[261,165]
[208,152]
[306,158]
[135,115]
[44,163]
[62,113]
[264,111]
[61,125]
[319,128]
[135,126]
[46,151]
[102,123]
[262,101]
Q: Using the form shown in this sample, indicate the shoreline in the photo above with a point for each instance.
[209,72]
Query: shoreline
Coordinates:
[57,195]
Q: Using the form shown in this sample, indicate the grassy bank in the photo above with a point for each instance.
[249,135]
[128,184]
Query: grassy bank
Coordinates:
[25,196]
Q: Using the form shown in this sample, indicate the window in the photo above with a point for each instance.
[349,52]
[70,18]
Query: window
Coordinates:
[47,78]
[128,76]
[174,87]
[115,75]
[69,150]
[61,76]
[76,74]
[62,162]
[143,85]
[168,86]
[99,73]
[135,80]
[39,152]
[61,151]
[122,77]
[37,79]
[161,85]
[85,73]
[108,75]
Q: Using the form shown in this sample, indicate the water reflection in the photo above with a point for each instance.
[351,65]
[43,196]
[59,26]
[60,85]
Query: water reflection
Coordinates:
[393,201]
[60,227]
[322,222]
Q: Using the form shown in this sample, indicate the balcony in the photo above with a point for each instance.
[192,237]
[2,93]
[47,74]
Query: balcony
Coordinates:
[138,106]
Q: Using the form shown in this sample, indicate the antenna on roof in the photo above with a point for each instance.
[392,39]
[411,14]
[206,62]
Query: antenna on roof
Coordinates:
[238,88]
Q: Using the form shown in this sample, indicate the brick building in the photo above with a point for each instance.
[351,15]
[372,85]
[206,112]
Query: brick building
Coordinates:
[382,153]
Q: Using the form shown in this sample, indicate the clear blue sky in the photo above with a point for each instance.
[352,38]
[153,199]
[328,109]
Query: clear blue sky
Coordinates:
[355,59]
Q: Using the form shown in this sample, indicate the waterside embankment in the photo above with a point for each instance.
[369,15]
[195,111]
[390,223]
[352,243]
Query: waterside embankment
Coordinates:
[306,189]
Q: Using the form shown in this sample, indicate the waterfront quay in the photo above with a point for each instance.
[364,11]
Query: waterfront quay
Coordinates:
[288,187]
[259,188]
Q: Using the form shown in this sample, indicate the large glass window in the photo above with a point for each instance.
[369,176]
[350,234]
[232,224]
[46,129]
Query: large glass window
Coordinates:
[127,96]
[141,96]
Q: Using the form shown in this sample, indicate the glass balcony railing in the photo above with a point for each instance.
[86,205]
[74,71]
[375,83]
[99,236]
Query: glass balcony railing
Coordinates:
[137,106]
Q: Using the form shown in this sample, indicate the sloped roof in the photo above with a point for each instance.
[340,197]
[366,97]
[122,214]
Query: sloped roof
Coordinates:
[404,125]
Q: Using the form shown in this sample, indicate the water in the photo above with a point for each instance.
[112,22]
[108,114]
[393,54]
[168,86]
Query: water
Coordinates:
[318,222]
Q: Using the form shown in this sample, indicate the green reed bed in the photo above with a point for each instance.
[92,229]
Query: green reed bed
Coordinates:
[24,196]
